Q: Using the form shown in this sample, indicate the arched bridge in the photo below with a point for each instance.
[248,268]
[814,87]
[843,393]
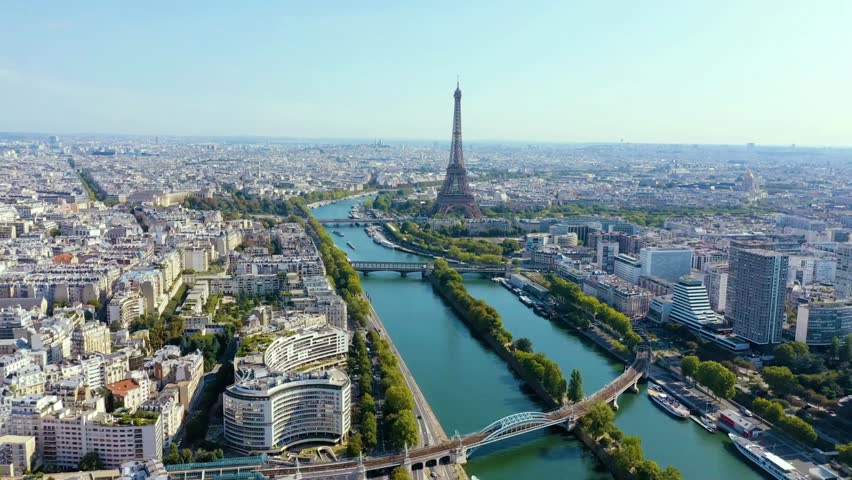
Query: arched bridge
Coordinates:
[426,268]
[456,450]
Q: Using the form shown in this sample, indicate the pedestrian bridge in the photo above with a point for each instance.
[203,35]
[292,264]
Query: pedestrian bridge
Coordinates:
[459,448]
[426,268]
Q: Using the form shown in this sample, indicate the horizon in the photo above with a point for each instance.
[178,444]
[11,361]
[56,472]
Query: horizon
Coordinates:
[668,73]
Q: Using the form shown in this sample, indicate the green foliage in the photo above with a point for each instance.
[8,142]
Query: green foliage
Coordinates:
[689,365]
[399,424]
[188,456]
[355,445]
[523,344]
[464,249]
[787,353]
[780,379]
[797,428]
[575,302]
[575,386]
[343,276]
[401,429]
[90,462]
[768,409]
[480,316]
[397,399]
[400,473]
[773,411]
[717,378]
[368,430]
[598,420]
[486,321]
[545,371]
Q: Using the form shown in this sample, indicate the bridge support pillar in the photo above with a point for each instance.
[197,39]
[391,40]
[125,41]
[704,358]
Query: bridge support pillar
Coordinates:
[366,273]
[458,456]
[404,274]
[615,403]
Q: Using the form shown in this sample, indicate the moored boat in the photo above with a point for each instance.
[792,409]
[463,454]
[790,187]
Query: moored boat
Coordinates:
[667,403]
[770,463]
[705,422]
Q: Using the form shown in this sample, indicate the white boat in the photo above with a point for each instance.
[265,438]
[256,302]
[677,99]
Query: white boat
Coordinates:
[772,464]
[706,422]
[667,403]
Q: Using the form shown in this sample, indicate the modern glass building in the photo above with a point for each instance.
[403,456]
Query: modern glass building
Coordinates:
[818,323]
[668,263]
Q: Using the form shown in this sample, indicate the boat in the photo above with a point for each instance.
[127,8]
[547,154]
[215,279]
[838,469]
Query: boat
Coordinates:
[667,403]
[337,232]
[349,244]
[770,463]
[706,422]
[526,300]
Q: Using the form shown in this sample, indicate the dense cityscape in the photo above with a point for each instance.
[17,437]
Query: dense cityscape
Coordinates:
[632,259]
[171,305]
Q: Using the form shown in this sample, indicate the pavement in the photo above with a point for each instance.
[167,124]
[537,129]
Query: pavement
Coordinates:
[431,431]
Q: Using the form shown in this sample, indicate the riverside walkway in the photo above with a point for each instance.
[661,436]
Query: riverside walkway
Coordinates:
[456,450]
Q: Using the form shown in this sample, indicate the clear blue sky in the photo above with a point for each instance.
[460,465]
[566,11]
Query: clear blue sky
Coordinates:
[772,72]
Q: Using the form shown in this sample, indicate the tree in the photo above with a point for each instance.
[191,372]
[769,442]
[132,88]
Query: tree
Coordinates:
[173,457]
[524,344]
[780,379]
[400,473]
[767,409]
[91,461]
[689,365]
[369,430]
[629,454]
[355,446]
[368,405]
[717,378]
[598,420]
[397,399]
[835,348]
[575,386]
[402,429]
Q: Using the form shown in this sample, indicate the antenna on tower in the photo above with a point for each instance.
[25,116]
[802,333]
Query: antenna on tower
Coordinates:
[457,80]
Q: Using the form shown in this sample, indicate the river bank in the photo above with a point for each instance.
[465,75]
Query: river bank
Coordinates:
[468,386]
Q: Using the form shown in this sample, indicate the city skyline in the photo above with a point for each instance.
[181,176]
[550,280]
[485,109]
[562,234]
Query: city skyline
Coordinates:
[544,74]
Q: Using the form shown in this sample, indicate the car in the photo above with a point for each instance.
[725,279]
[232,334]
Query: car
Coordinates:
[419,417]
[747,412]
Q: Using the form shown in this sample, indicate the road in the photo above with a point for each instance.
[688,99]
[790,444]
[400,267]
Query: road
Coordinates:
[431,431]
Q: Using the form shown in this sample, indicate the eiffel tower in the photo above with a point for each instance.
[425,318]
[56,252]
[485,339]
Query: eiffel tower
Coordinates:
[455,193]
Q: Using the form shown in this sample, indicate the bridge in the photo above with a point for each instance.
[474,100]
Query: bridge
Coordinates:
[359,221]
[459,448]
[425,268]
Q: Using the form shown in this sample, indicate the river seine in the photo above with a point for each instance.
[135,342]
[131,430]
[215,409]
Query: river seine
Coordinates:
[469,387]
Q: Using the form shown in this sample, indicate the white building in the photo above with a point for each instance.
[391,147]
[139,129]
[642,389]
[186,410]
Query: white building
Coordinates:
[91,337]
[282,410]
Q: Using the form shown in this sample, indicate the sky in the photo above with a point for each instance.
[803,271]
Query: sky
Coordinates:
[771,72]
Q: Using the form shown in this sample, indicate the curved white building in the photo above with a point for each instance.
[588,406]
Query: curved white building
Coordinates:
[282,410]
[294,350]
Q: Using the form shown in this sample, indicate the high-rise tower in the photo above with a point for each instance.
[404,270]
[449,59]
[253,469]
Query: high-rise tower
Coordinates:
[455,193]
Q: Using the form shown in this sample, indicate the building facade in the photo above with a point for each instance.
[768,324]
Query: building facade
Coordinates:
[281,410]
[669,263]
[757,282]
[818,323]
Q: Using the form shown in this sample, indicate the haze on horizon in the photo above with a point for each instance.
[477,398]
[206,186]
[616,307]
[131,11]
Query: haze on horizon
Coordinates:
[770,72]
